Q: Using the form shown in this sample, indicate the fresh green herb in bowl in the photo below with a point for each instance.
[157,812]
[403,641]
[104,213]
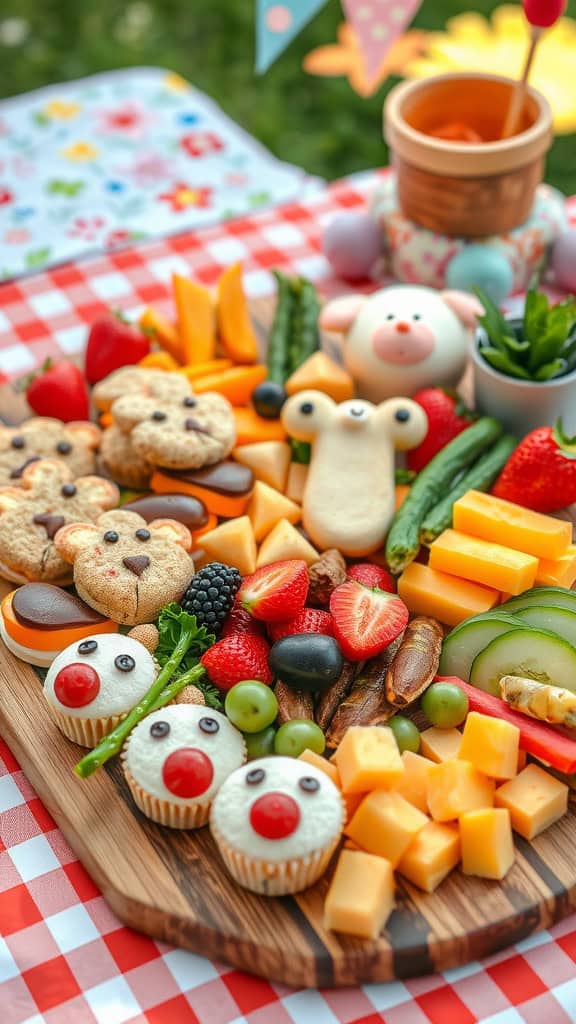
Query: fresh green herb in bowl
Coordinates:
[539,347]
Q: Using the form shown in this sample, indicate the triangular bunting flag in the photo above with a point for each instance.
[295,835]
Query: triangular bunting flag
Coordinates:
[377,24]
[277,23]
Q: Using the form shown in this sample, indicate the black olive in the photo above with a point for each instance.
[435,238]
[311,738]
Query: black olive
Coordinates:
[306,661]
[268,399]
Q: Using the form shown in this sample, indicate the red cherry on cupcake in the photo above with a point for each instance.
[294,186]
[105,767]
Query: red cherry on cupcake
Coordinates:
[76,685]
[187,772]
[274,816]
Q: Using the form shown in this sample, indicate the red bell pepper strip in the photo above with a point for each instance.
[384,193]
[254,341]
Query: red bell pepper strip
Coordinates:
[550,744]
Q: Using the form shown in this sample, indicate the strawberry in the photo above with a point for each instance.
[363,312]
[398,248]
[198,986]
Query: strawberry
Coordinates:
[240,621]
[372,576]
[235,658]
[447,417]
[365,620]
[541,472]
[59,390]
[276,592]
[113,343]
[309,620]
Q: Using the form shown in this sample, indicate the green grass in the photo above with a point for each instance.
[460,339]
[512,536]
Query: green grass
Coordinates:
[317,123]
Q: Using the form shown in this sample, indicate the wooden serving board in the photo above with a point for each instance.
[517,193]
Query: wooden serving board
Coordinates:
[173,886]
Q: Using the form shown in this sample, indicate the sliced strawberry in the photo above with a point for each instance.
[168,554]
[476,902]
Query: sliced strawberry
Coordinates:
[309,620]
[365,620]
[240,621]
[276,592]
[372,576]
[237,657]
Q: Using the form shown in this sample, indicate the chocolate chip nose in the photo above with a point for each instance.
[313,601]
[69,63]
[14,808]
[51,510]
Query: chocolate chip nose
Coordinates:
[50,523]
[136,563]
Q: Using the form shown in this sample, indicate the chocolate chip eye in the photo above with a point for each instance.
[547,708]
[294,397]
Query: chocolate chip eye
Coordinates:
[402,415]
[63,447]
[308,784]
[255,777]
[417,316]
[189,402]
[209,725]
[158,730]
[124,662]
[68,490]
[390,316]
[18,442]
[87,647]
[306,408]
[158,416]
[142,534]
[111,537]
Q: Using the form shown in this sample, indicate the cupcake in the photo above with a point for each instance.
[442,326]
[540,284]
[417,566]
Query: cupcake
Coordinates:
[176,759]
[92,685]
[277,822]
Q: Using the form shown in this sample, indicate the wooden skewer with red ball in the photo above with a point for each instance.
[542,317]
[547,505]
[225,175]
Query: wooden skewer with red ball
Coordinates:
[540,14]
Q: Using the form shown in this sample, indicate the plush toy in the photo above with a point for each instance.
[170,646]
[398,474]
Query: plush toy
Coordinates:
[403,338]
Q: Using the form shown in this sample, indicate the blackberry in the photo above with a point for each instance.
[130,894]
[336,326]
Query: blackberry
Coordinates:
[211,594]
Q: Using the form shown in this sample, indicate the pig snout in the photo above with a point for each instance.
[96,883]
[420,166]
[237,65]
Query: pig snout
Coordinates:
[403,342]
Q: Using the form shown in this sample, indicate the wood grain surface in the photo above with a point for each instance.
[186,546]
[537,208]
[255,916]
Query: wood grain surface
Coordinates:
[174,887]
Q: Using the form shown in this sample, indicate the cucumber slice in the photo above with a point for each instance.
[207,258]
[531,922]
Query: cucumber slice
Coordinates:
[529,652]
[542,597]
[554,619]
[462,645]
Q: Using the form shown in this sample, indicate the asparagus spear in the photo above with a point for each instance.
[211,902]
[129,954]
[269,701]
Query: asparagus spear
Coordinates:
[552,704]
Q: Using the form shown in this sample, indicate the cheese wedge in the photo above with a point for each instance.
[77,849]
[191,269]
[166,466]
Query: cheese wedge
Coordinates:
[493,519]
[482,561]
[232,543]
[284,542]
[321,373]
[486,842]
[361,895]
[268,460]
[534,799]
[446,598]
[432,855]
[267,507]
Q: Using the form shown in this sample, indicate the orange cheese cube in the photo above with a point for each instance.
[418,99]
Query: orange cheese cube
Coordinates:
[558,573]
[413,784]
[486,842]
[323,765]
[491,745]
[361,895]
[444,597]
[440,744]
[432,854]
[494,519]
[368,758]
[455,787]
[482,561]
[385,824]
[534,799]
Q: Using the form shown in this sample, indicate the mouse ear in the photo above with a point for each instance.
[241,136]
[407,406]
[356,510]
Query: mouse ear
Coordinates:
[11,498]
[130,410]
[172,386]
[45,474]
[86,433]
[466,307]
[171,531]
[100,492]
[72,539]
[339,314]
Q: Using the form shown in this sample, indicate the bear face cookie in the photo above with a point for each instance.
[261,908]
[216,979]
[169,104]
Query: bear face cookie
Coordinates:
[126,568]
[138,380]
[74,444]
[193,431]
[348,500]
[48,499]
[121,462]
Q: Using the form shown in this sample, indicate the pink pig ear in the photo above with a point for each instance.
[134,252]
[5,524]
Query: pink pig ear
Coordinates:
[466,307]
[339,314]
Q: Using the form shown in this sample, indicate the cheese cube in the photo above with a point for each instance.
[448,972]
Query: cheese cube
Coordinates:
[486,842]
[385,824]
[558,573]
[535,800]
[413,785]
[368,758]
[267,507]
[440,744]
[455,787]
[446,598]
[484,562]
[232,543]
[361,895]
[317,761]
[491,745]
[432,854]
[320,373]
[268,460]
[493,519]
[284,542]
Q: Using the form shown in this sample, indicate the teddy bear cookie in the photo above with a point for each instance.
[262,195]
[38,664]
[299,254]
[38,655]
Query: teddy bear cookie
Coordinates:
[184,433]
[126,568]
[48,499]
[120,461]
[348,500]
[138,380]
[73,443]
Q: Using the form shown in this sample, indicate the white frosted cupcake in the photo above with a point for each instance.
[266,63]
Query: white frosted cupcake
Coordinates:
[176,759]
[92,685]
[277,822]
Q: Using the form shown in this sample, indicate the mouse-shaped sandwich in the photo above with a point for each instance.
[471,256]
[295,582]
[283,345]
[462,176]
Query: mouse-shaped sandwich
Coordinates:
[138,380]
[74,444]
[126,568]
[348,500]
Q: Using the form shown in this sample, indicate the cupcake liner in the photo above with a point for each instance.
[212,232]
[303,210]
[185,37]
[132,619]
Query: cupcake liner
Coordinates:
[274,878]
[164,812]
[87,732]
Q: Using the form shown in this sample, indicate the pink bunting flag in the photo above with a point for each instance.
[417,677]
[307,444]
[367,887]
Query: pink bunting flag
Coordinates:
[377,24]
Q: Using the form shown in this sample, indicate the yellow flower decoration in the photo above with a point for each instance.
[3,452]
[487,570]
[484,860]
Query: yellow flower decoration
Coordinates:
[80,152]
[471,43]
[61,110]
[176,82]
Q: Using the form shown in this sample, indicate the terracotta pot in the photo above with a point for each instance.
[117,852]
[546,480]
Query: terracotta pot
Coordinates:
[465,188]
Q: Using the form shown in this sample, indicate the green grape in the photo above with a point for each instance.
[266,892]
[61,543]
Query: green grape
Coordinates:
[251,706]
[406,734]
[260,744]
[445,705]
[298,735]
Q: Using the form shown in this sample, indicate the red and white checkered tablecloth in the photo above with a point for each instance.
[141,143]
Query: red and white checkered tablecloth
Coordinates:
[64,957]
